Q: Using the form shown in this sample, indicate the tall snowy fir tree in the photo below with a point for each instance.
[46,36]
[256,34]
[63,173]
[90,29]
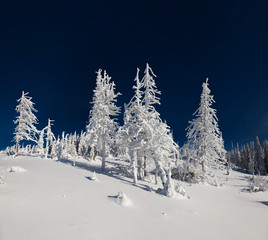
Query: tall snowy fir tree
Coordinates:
[102,125]
[260,169]
[160,144]
[132,132]
[252,162]
[25,129]
[265,155]
[149,139]
[204,137]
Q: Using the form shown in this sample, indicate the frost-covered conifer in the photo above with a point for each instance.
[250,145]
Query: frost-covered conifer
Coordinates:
[260,169]
[204,137]
[102,125]
[40,144]
[238,155]
[265,155]
[25,129]
[251,164]
[71,144]
[132,133]
[83,147]
[244,158]
[148,137]
[49,137]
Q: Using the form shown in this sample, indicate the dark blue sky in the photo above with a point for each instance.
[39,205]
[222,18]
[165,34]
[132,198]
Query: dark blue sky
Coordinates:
[53,48]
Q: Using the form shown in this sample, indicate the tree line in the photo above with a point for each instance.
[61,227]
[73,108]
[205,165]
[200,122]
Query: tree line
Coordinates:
[143,140]
[251,157]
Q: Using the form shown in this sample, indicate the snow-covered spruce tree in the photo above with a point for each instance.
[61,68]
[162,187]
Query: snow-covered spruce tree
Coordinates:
[260,169]
[25,129]
[148,138]
[251,164]
[60,147]
[49,138]
[82,147]
[238,156]
[244,158]
[40,144]
[204,137]
[102,125]
[160,145]
[265,155]
[71,144]
[132,132]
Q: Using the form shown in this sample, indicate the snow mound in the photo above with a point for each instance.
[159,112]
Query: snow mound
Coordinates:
[172,191]
[259,183]
[123,200]
[94,178]
[2,179]
[16,169]
[180,192]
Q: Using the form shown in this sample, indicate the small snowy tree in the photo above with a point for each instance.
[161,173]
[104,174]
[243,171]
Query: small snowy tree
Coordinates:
[204,137]
[82,147]
[49,137]
[25,129]
[102,125]
[40,144]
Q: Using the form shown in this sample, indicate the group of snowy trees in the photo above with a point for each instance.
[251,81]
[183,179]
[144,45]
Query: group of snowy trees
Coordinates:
[251,157]
[26,129]
[145,139]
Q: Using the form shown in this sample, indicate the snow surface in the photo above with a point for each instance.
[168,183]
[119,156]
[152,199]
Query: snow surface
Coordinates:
[54,200]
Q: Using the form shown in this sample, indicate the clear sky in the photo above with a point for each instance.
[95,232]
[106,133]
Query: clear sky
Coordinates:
[52,50]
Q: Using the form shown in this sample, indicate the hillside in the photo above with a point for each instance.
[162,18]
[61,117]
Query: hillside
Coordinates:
[54,200]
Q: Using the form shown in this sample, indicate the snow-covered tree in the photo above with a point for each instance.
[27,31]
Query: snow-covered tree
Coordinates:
[260,169]
[160,145]
[82,147]
[265,155]
[40,144]
[49,137]
[132,132]
[25,129]
[251,163]
[147,136]
[204,137]
[102,125]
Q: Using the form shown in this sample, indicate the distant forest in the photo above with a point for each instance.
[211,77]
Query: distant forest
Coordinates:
[251,157]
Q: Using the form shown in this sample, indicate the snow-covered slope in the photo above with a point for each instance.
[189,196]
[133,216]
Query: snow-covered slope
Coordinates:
[52,200]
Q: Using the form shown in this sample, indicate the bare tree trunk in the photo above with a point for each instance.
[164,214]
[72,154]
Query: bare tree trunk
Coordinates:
[46,150]
[155,176]
[92,153]
[145,174]
[160,170]
[103,152]
[203,167]
[134,167]
[17,148]
[140,168]
[169,190]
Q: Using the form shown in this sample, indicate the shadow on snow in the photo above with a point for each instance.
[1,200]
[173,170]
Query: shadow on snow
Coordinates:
[114,172]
